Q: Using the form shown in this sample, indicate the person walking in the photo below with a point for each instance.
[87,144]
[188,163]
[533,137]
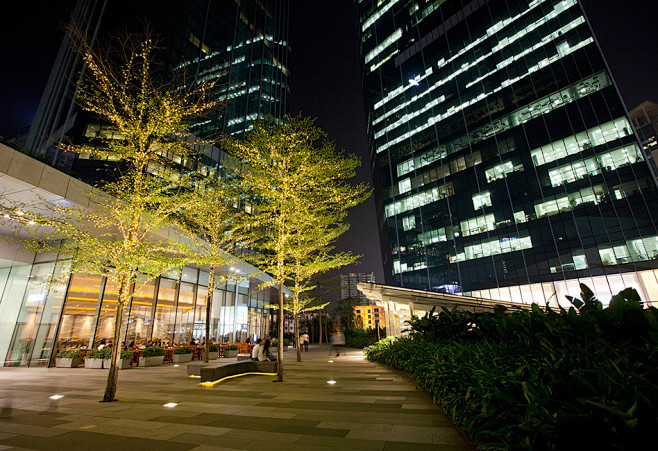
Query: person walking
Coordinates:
[305,339]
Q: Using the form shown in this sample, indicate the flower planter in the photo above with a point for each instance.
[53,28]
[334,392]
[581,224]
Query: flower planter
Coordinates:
[182,358]
[68,363]
[124,363]
[94,363]
[151,361]
[231,353]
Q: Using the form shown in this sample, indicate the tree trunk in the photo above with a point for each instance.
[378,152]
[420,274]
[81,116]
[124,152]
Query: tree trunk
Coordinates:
[211,289]
[320,338]
[279,371]
[326,331]
[115,359]
[299,347]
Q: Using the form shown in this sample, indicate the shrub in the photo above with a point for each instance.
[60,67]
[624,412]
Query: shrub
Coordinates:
[153,351]
[125,355]
[95,354]
[232,348]
[213,348]
[361,338]
[69,354]
[539,379]
[183,350]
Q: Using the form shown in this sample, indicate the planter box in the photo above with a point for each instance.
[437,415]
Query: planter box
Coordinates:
[151,361]
[94,363]
[182,358]
[68,363]
[231,353]
[125,363]
[213,355]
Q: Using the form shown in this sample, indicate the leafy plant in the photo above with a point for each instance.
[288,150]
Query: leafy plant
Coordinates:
[539,379]
[153,351]
[183,350]
[213,347]
[69,354]
[125,355]
[232,348]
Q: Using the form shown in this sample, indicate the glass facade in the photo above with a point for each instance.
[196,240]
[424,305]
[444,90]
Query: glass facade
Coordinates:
[43,309]
[243,46]
[506,162]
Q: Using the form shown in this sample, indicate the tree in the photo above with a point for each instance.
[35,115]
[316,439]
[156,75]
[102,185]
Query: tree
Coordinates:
[294,180]
[117,235]
[215,223]
[345,311]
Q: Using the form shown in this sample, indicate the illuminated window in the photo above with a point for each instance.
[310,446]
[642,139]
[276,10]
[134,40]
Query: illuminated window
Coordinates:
[482,200]
[408,223]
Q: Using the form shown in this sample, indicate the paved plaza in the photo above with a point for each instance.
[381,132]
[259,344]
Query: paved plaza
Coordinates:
[370,407]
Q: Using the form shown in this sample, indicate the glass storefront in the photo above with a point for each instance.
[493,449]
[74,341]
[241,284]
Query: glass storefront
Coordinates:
[43,309]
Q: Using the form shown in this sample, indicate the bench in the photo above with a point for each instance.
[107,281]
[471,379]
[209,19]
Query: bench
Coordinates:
[215,372]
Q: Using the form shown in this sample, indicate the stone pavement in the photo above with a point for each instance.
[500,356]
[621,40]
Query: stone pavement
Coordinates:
[370,407]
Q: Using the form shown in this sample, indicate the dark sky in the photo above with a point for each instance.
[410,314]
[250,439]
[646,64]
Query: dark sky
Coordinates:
[325,80]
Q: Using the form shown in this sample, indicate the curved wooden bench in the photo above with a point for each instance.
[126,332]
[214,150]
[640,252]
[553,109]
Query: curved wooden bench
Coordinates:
[215,373]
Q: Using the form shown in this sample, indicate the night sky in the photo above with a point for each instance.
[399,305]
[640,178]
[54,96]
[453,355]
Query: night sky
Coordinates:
[325,75]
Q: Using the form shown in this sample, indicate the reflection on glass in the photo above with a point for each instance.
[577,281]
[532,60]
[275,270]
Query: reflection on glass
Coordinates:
[106,319]
[165,315]
[141,309]
[79,311]
[185,314]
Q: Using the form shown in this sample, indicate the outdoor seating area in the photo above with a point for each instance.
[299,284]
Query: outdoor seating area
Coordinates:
[197,352]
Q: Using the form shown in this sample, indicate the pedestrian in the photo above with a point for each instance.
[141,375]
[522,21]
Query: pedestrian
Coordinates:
[305,340]
[336,340]
[255,352]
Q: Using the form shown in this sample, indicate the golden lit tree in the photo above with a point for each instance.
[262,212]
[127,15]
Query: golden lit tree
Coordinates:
[294,176]
[120,234]
[215,220]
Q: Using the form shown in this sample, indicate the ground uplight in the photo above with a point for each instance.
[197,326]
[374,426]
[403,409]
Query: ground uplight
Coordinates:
[331,382]
[170,404]
[56,396]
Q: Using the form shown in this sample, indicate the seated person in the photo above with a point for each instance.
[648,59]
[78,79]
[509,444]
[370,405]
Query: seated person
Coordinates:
[264,353]
[255,352]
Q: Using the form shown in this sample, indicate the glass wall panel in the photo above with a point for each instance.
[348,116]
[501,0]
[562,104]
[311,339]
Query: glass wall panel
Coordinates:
[107,317]
[23,342]
[140,327]
[185,314]
[10,306]
[199,331]
[165,313]
[79,317]
[50,317]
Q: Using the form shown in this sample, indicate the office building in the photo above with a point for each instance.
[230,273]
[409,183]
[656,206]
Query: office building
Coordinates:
[645,120]
[505,162]
[241,45]
[369,316]
[348,284]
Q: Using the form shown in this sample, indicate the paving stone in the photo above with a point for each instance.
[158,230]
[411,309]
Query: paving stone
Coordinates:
[370,408]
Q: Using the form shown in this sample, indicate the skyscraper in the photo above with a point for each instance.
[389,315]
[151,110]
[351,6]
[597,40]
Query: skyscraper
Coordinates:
[348,284]
[243,45]
[506,162]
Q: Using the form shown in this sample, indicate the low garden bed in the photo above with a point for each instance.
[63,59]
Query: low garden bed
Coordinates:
[539,380]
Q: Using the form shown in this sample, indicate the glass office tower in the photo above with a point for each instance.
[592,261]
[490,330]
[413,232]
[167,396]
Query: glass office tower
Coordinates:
[243,45]
[506,162]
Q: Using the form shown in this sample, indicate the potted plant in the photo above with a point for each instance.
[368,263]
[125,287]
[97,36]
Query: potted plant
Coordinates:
[182,354]
[68,359]
[94,358]
[213,351]
[126,358]
[231,351]
[152,356]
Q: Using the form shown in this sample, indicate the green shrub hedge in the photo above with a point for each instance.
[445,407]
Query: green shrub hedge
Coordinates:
[70,354]
[539,380]
[152,351]
[183,350]
[360,338]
